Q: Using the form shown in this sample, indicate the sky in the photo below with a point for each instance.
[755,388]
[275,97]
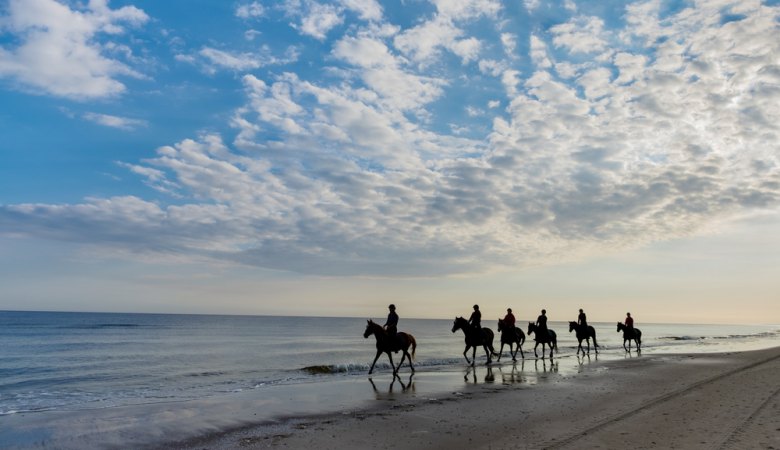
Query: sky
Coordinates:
[326,158]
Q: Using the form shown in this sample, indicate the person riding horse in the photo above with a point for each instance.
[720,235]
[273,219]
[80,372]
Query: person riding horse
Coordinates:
[391,325]
[582,319]
[475,320]
[541,323]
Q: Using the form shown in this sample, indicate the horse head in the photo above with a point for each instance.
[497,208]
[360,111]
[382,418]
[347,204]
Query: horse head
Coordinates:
[459,323]
[500,324]
[572,326]
[619,326]
[531,327]
[370,328]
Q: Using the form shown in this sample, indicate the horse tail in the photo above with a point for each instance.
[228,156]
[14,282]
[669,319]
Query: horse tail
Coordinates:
[594,337]
[414,344]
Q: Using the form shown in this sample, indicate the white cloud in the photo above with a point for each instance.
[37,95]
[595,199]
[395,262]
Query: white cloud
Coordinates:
[250,10]
[581,35]
[122,123]
[319,20]
[509,41]
[466,9]
[366,9]
[423,42]
[58,52]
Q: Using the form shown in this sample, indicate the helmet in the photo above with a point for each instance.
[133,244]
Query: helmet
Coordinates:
[509,310]
[392,306]
[476,306]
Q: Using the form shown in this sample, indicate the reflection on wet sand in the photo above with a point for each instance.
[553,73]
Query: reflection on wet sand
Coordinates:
[406,386]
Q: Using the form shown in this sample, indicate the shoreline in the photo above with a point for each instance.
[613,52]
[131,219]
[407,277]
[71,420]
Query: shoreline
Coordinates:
[708,400]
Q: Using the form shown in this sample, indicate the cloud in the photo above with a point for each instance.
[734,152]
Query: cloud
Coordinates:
[122,123]
[671,133]
[58,52]
[250,10]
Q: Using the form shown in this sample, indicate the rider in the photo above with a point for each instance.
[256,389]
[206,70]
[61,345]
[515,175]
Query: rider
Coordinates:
[541,323]
[509,319]
[582,321]
[391,326]
[476,320]
[629,322]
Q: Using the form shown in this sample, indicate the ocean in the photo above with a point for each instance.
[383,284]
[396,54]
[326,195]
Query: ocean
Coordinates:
[70,362]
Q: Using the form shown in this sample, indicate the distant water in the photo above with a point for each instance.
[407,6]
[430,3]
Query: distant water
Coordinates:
[75,361]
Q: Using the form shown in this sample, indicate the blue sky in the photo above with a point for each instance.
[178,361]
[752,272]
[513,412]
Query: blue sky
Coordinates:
[330,157]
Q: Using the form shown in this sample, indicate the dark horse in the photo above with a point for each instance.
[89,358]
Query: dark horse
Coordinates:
[551,339]
[584,334]
[509,337]
[475,339]
[628,335]
[386,344]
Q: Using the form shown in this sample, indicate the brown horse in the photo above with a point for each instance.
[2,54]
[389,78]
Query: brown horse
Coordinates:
[511,336]
[630,334]
[475,339]
[550,338]
[584,333]
[387,344]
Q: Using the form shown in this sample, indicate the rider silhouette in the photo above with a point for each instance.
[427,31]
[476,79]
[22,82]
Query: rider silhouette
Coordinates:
[541,323]
[391,326]
[582,320]
[509,319]
[629,322]
[476,321]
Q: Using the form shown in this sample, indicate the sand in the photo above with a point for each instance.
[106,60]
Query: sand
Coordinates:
[697,401]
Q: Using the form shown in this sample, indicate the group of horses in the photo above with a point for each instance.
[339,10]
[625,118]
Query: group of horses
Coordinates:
[474,337]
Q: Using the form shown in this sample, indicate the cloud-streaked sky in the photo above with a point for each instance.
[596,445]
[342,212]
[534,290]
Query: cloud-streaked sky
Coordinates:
[326,158]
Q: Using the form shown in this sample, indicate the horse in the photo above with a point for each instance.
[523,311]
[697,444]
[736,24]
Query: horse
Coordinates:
[475,339]
[509,337]
[551,339]
[584,333]
[386,344]
[628,336]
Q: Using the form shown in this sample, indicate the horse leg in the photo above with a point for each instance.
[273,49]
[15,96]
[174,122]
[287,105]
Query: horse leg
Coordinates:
[587,341]
[465,354]
[403,357]
[408,357]
[501,351]
[474,356]
[537,344]
[390,355]
[371,370]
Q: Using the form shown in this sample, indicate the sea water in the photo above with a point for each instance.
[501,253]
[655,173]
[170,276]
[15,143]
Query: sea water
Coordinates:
[52,361]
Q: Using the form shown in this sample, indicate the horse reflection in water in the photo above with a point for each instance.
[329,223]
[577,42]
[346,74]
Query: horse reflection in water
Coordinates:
[630,334]
[407,385]
[387,344]
[471,371]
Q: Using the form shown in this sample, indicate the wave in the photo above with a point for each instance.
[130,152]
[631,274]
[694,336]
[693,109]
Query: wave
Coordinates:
[763,334]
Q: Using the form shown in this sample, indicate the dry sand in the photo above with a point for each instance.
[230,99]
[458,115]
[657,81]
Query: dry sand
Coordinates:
[699,401]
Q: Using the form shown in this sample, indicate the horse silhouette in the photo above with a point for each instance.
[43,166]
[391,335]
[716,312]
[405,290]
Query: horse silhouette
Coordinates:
[550,339]
[511,336]
[629,335]
[387,344]
[584,333]
[475,339]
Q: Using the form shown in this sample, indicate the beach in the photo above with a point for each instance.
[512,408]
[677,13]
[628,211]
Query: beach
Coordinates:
[664,401]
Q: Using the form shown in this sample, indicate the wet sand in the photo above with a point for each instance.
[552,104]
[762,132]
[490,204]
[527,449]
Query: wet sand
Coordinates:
[695,401]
